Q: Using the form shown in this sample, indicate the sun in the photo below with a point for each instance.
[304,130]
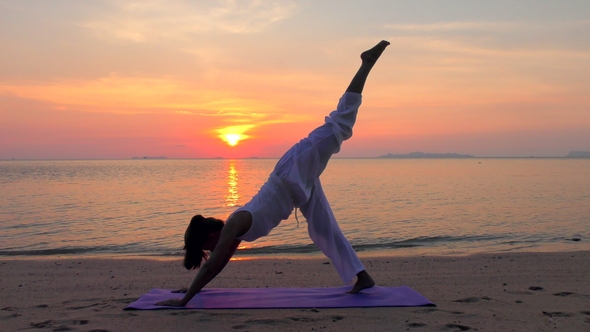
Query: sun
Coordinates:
[232,139]
[232,135]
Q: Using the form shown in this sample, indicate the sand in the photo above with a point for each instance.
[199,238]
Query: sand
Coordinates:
[495,292]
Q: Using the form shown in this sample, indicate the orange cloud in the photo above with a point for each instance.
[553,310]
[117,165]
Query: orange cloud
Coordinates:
[152,20]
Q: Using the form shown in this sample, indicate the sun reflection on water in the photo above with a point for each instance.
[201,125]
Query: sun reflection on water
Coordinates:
[241,259]
[232,197]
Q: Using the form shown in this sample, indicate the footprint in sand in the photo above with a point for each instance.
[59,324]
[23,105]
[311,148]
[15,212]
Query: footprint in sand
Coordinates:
[263,322]
[226,314]
[14,315]
[557,314]
[304,319]
[125,300]
[520,292]
[564,294]
[431,310]
[267,323]
[239,327]
[63,324]
[473,299]
[89,303]
[416,325]
[42,325]
[83,306]
[458,327]
[182,313]
[468,300]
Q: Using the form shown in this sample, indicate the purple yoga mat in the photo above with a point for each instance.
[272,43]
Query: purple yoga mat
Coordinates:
[267,298]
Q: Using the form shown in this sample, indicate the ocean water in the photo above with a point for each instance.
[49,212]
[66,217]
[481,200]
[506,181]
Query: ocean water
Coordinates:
[384,206]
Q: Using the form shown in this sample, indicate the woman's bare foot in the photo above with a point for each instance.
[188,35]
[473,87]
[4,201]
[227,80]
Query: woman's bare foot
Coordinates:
[368,58]
[363,281]
[371,56]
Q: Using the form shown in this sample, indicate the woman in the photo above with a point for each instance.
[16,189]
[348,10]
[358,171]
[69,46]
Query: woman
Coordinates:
[294,183]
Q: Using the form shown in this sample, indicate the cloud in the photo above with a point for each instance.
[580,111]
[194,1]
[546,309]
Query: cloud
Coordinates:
[177,19]
[121,94]
[506,26]
[455,26]
[485,48]
[224,114]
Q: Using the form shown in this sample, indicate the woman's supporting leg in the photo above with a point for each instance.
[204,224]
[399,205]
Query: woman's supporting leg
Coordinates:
[326,234]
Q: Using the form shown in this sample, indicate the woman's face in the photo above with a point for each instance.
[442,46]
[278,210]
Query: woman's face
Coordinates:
[211,241]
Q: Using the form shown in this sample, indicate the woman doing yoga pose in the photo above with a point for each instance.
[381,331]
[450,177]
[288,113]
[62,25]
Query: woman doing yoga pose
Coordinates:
[294,183]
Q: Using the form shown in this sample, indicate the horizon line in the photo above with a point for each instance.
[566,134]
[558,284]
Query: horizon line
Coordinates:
[254,158]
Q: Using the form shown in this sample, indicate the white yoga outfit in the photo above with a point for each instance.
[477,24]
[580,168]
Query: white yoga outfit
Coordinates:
[295,182]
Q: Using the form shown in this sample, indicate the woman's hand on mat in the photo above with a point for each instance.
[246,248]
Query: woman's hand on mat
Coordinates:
[181,290]
[172,303]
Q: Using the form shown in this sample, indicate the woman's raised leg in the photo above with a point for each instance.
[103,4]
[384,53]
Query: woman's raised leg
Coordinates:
[369,58]
[322,225]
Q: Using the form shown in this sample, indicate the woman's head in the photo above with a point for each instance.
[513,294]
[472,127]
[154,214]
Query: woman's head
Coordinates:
[197,233]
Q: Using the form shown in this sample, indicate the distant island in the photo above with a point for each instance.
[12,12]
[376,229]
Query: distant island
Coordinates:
[426,155]
[148,157]
[578,154]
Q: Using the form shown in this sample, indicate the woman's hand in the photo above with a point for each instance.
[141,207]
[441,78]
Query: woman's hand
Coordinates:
[172,303]
[182,290]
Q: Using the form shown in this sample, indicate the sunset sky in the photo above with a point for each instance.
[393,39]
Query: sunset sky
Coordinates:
[117,79]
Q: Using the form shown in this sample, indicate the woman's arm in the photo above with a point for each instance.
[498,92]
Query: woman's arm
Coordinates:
[227,245]
[211,268]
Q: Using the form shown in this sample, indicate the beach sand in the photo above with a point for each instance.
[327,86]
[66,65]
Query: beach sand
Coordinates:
[492,292]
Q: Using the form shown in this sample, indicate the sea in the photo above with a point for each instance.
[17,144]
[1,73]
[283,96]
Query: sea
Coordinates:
[393,207]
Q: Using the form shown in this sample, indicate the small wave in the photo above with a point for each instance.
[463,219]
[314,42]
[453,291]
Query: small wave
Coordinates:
[466,242]
[422,241]
[286,249]
[379,244]
[61,251]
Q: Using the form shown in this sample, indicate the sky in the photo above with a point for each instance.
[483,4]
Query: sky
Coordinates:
[184,79]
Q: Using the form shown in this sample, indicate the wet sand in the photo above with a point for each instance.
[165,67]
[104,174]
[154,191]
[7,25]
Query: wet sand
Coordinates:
[495,292]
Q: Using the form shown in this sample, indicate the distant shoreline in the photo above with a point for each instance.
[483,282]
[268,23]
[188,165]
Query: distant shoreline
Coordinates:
[411,155]
[422,155]
[276,158]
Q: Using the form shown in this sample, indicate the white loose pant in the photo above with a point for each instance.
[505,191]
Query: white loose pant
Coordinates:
[301,167]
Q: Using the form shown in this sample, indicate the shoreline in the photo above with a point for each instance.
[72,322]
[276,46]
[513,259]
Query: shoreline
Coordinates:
[410,252]
[517,291]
